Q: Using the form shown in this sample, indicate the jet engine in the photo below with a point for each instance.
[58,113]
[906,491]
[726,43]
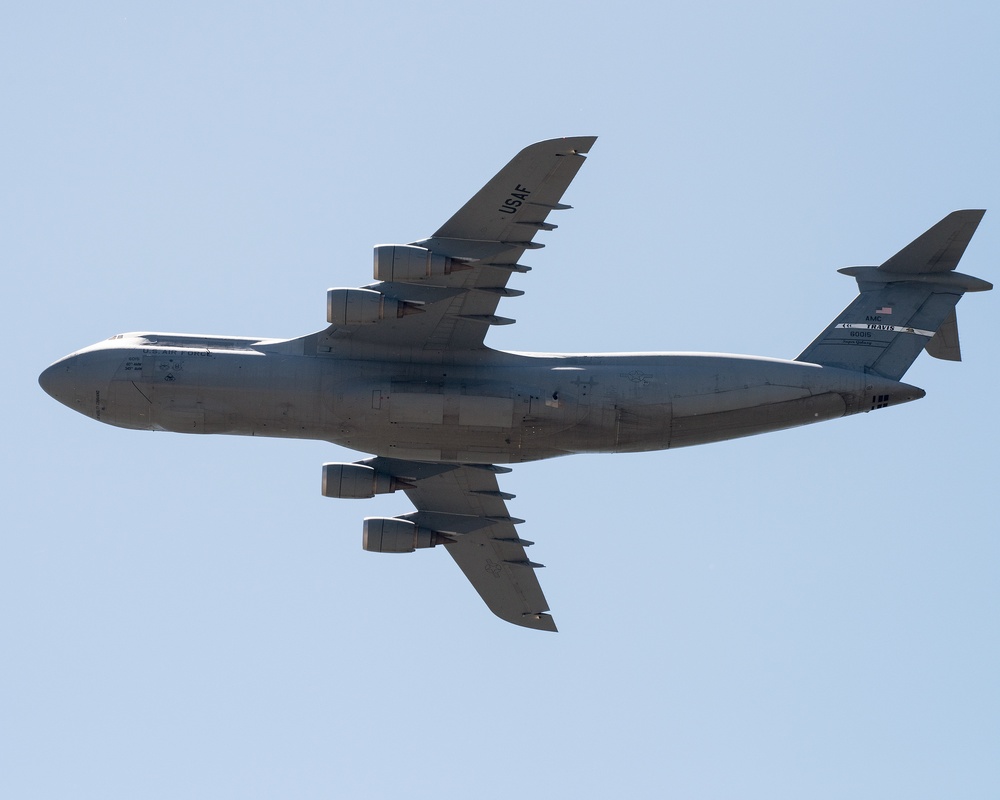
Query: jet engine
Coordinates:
[407,262]
[358,481]
[394,535]
[349,307]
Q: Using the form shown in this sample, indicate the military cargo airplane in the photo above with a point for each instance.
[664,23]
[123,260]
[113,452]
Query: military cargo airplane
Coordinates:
[402,372]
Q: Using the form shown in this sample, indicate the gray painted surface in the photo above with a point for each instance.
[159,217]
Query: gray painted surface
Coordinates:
[402,373]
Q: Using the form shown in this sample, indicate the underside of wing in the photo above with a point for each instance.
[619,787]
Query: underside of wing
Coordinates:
[462,507]
[441,293]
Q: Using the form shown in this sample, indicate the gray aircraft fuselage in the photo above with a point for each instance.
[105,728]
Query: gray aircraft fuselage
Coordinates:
[488,407]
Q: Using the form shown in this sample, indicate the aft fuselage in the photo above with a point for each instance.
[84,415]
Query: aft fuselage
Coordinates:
[484,406]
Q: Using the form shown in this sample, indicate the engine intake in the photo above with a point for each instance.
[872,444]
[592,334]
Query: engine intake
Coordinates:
[358,481]
[395,535]
[407,262]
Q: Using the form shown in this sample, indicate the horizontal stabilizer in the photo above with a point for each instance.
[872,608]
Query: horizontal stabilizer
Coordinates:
[940,248]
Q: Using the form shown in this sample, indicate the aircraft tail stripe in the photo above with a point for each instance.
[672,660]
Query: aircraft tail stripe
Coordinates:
[869,326]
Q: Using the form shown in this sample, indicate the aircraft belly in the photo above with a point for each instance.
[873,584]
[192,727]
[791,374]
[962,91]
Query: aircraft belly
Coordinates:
[426,420]
[716,399]
[716,426]
[473,413]
[642,427]
[476,419]
[233,393]
[465,411]
[736,399]
[679,402]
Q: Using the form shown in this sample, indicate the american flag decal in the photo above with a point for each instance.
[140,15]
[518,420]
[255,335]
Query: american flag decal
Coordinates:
[884,310]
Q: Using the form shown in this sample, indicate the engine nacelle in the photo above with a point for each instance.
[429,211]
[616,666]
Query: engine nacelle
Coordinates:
[357,481]
[350,307]
[395,535]
[407,262]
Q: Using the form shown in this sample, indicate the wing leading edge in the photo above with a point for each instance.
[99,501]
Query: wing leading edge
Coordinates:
[464,504]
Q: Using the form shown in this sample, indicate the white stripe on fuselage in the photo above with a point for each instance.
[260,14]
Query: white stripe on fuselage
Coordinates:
[878,326]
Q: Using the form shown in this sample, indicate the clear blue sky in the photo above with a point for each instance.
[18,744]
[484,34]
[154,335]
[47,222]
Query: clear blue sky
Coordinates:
[811,613]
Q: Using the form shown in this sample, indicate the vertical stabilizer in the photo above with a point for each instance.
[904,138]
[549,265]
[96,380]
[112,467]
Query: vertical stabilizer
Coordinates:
[945,344]
[905,305]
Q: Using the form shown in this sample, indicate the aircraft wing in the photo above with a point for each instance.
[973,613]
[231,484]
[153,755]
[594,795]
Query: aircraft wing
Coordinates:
[451,304]
[465,503]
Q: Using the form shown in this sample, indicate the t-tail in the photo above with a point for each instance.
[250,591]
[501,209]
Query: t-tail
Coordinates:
[906,305]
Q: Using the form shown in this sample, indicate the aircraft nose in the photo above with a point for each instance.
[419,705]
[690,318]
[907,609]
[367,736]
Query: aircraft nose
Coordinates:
[81,381]
[58,381]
